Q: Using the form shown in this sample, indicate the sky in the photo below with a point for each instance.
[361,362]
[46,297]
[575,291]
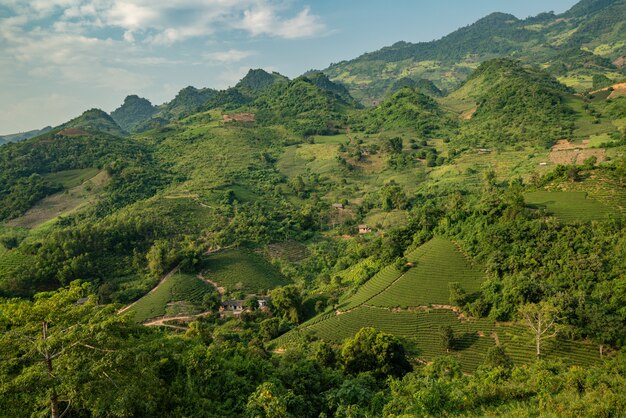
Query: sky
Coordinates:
[61,57]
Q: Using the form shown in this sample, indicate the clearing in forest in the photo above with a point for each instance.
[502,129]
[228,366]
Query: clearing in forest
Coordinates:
[177,295]
[242,270]
[63,202]
[568,206]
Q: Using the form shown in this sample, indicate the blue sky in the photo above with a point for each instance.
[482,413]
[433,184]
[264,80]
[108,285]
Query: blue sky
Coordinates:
[61,57]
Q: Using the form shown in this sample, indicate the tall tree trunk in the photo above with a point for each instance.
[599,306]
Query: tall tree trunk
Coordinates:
[54,398]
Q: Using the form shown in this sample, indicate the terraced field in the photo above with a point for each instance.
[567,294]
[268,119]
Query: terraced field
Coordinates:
[420,329]
[10,260]
[568,206]
[179,289]
[520,346]
[242,270]
[437,263]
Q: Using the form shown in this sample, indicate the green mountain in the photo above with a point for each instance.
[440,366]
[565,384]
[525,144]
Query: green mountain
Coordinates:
[595,27]
[303,106]
[512,103]
[408,109]
[458,254]
[422,85]
[133,112]
[255,81]
[93,120]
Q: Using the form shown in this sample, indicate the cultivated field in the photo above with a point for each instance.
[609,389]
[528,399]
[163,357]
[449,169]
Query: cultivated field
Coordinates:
[63,202]
[435,265]
[242,270]
[568,206]
[181,293]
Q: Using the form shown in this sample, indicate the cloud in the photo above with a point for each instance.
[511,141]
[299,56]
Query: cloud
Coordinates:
[263,21]
[230,56]
[173,21]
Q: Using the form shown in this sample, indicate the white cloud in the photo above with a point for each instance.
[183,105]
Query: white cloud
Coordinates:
[263,21]
[230,56]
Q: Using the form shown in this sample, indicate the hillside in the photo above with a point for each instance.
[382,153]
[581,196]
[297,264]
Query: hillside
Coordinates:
[409,109]
[5,139]
[133,112]
[505,102]
[591,26]
[456,248]
[93,120]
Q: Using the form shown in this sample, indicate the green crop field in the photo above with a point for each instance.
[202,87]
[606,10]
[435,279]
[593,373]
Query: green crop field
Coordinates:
[242,270]
[10,260]
[72,178]
[420,329]
[437,263]
[520,346]
[179,288]
[568,206]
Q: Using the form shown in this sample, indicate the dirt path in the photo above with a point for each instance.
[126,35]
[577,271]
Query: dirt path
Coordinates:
[217,287]
[161,321]
[167,276]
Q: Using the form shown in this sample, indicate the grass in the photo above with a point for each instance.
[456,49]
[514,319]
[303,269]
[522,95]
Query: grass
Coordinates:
[437,263]
[568,206]
[242,270]
[178,288]
[62,203]
[72,178]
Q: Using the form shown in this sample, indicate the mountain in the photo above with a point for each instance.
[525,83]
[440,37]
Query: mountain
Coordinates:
[134,111]
[187,101]
[409,109]
[322,81]
[303,106]
[5,139]
[593,26]
[513,103]
[422,85]
[255,81]
[92,120]
[276,249]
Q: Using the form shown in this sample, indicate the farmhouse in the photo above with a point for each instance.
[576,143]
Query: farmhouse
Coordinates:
[235,306]
[364,229]
[484,151]
[337,205]
[239,117]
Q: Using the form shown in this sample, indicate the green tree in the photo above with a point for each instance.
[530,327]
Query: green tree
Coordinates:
[287,302]
[268,401]
[371,350]
[446,337]
[62,352]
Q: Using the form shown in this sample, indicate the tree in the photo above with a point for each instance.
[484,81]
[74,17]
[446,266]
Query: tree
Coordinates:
[63,352]
[458,295]
[446,335]
[374,351]
[497,357]
[267,401]
[394,145]
[542,320]
[269,328]
[287,302]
